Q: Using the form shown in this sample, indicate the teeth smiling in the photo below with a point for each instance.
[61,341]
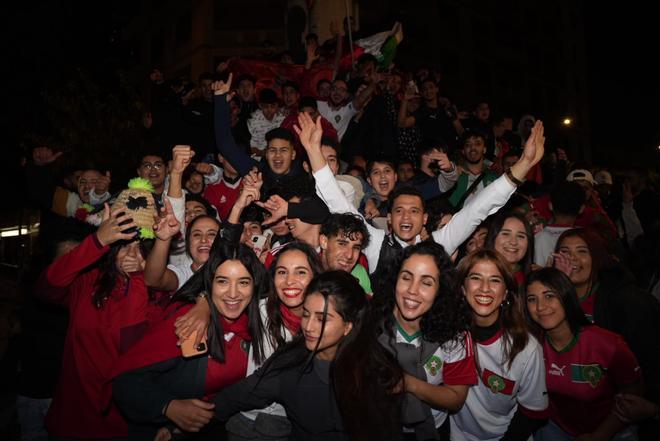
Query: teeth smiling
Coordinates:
[411,304]
[484,300]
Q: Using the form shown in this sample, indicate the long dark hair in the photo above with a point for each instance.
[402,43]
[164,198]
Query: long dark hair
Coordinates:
[449,316]
[559,282]
[202,281]
[109,274]
[497,225]
[363,374]
[275,322]
[511,315]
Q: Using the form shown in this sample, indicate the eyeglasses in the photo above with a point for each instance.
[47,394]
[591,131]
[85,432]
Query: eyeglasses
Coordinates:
[152,165]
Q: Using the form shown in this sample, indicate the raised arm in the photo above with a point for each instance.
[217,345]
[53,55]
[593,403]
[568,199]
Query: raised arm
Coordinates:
[156,273]
[327,189]
[223,138]
[490,199]
[66,268]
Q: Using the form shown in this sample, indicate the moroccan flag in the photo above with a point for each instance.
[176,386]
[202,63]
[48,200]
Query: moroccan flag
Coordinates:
[496,383]
[273,75]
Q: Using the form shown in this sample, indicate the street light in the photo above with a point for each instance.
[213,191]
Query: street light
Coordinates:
[567,121]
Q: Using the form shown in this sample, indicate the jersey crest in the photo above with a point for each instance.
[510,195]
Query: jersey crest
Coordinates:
[496,383]
[586,373]
[433,365]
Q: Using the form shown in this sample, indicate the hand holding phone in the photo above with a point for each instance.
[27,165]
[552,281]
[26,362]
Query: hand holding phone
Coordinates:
[259,243]
[189,350]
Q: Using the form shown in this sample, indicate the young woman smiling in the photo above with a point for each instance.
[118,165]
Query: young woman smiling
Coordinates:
[424,320]
[610,298]
[334,380]
[157,385]
[509,401]
[586,366]
[281,314]
[511,235]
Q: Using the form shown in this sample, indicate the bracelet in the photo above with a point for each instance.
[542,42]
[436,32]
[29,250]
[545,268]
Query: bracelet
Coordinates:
[517,182]
[166,406]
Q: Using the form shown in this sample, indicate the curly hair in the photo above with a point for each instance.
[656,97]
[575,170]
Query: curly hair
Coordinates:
[348,225]
[449,316]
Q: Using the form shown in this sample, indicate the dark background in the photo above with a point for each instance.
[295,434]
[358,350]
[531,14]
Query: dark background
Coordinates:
[46,43]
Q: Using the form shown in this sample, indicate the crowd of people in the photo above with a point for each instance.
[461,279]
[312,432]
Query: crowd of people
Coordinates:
[364,262]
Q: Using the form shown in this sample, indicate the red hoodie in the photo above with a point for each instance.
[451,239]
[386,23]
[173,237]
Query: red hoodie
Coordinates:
[95,339]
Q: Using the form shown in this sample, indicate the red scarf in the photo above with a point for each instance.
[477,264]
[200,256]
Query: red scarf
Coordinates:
[291,321]
[219,375]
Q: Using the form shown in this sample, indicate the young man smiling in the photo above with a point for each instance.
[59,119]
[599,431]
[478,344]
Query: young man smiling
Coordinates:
[280,165]
[407,212]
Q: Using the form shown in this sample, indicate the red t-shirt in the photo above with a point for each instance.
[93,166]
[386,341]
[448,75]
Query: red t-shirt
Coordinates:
[583,378]
[223,196]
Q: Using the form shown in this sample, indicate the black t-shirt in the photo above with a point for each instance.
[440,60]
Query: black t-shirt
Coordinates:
[435,125]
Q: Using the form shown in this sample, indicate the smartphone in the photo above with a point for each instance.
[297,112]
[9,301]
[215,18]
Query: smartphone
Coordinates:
[259,242]
[189,350]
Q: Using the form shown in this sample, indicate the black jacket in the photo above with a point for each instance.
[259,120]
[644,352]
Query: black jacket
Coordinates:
[624,308]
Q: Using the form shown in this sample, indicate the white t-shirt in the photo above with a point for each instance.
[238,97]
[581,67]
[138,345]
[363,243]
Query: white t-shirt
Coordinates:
[491,404]
[544,243]
[339,118]
[258,126]
[183,273]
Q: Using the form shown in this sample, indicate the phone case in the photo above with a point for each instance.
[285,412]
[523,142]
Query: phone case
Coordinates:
[258,243]
[187,348]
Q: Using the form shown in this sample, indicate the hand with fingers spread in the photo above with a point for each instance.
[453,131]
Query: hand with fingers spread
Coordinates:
[532,153]
[277,207]
[309,131]
[102,184]
[534,147]
[561,262]
[166,225]
[221,87]
[114,225]
[190,415]
[197,319]
[181,157]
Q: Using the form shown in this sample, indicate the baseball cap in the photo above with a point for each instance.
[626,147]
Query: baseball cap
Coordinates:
[581,174]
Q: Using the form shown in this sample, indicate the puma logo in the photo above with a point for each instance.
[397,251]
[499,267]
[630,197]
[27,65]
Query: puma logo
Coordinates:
[556,370]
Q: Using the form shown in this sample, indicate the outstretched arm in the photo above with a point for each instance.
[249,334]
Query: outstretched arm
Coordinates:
[493,197]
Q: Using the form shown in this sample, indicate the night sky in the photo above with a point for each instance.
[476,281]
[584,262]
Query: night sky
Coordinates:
[46,41]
